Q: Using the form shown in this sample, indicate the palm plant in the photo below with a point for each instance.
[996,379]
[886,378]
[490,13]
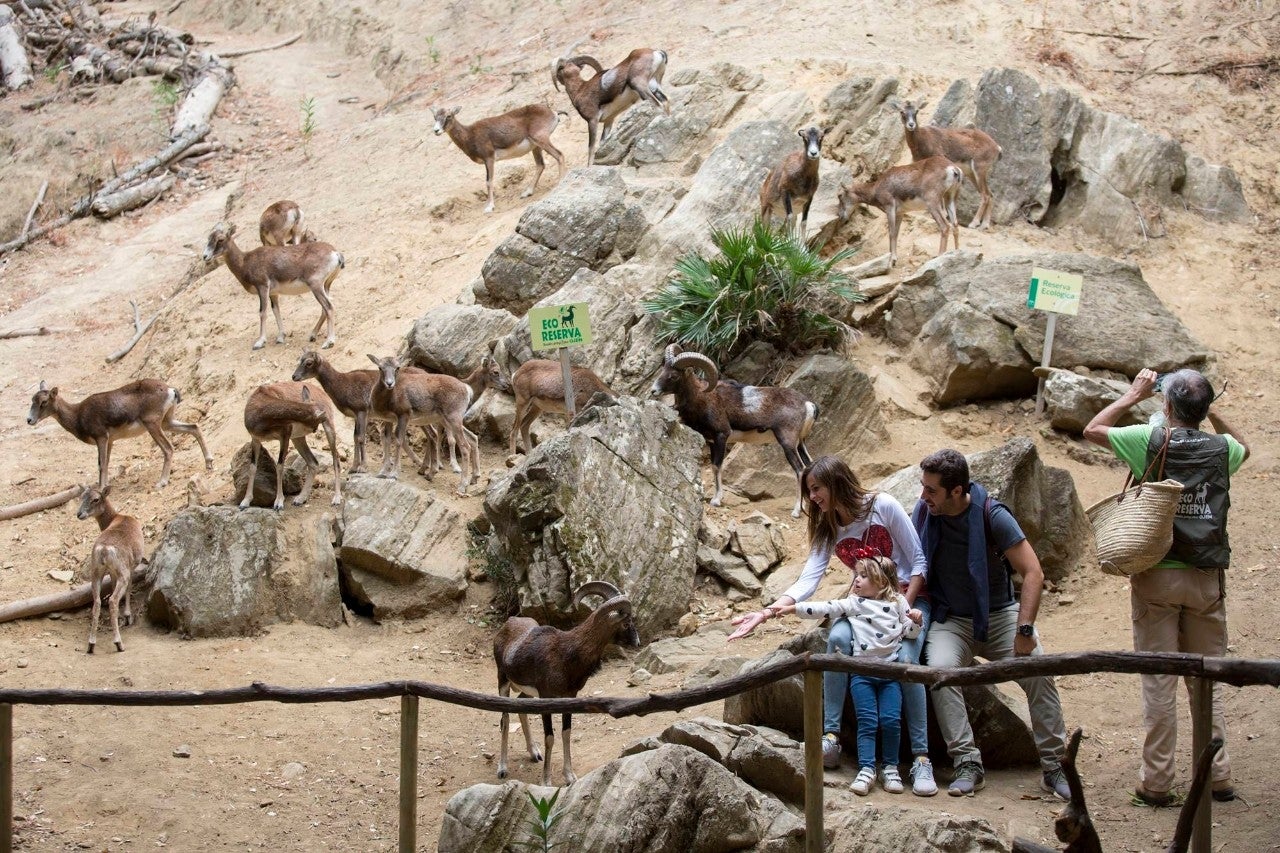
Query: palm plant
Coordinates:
[765,284]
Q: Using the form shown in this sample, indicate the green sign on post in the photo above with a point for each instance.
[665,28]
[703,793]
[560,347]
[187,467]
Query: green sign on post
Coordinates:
[1055,291]
[558,326]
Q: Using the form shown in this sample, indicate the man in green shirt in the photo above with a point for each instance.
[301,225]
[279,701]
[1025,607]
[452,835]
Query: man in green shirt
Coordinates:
[1180,605]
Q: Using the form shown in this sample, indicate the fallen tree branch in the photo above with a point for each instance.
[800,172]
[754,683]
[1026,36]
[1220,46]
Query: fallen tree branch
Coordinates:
[79,596]
[81,208]
[140,329]
[227,54]
[28,333]
[39,504]
[108,205]
[1097,33]
[31,214]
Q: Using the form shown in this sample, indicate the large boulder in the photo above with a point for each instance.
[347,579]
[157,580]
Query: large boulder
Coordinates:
[725,193]
[586,221]
[224,572]
[764,758]
[1065,161]
[867,133]
[1042,499]
[403,550]
[264,475]
[612,299]
[645,134]
[619,498]
[848,425]
[452,338]
[968,327]
[672,799]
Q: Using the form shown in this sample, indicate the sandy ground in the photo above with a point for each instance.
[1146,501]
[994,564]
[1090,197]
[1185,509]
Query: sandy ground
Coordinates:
[405,208]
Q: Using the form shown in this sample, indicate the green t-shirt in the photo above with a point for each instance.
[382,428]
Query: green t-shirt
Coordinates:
[1130,446]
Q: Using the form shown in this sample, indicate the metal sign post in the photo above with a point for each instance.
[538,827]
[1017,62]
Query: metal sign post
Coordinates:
[1057,293]
[561,327]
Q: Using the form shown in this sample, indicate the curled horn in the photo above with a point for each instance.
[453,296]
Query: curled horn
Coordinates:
[698,361]
[588,61]
[673,350]
[604,589]
[556,68]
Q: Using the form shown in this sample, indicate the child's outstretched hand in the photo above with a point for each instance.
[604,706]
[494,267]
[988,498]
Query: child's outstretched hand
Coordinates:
[783,609]
[915,616]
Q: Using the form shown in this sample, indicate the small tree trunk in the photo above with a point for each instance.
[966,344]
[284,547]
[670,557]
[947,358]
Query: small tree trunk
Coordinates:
[75,597]
[113,204]
[215,79]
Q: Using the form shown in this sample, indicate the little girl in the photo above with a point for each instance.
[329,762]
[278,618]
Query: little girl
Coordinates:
[881,619]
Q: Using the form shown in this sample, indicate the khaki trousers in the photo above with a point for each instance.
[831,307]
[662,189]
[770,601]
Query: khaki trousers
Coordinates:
[1176,610]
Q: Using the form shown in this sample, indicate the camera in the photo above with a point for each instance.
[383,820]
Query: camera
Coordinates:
[1160,378]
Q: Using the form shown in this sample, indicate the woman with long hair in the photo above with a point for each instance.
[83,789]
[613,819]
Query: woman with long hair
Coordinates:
[844,519]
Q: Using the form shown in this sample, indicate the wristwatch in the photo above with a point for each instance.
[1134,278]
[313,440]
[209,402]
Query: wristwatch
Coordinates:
[1027,630]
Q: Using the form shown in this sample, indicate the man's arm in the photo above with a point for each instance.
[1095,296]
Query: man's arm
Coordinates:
[1221,427]
[1022,558]
[1143,387]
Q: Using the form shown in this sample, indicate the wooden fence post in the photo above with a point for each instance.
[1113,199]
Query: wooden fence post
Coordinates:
[813,833]
[1201,732]
[6,779]
[408,774]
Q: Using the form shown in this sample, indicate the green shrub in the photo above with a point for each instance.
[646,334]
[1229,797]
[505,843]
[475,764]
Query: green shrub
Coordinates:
[765,284]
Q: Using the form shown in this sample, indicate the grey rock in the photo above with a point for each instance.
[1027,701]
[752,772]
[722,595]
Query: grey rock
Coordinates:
[725,191]
[730,568]
[849,424]
[403,550]
[758,540]
[586,221]
[264,479]
[616,498]
[223,572]
[451,339]
[1214,192]
[1072,400]
[716,669]
[868,133]
[672,799]
[893,829]
[1043,500]
[968,328]
[677,653]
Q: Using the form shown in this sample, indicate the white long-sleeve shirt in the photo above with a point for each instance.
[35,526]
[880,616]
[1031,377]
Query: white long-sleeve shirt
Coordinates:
[887,519]
[879,626]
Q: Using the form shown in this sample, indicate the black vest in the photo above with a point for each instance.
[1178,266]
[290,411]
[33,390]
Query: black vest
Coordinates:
[1198,460]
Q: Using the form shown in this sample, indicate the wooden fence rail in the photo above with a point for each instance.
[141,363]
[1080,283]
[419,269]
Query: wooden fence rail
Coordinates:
[1236,671]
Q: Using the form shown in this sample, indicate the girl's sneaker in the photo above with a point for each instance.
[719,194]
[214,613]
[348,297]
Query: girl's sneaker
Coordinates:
[890,779]
[865,779]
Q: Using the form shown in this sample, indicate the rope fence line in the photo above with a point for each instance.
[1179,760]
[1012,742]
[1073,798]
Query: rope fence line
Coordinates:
[1240,672]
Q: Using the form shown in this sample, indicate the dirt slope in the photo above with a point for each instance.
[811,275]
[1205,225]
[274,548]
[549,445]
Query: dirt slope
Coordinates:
[405,208]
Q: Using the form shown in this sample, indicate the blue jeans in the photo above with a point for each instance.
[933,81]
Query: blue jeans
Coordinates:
[834,684]
[878,702]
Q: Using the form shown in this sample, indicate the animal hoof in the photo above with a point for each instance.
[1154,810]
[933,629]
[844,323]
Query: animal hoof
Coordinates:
[337,501]
[119,647]
[526,193]
[327,344]
[278,505]
[502,773]
[208,464]
[260,345]
[489,209]
[90,649]
[160,485]
[297,502]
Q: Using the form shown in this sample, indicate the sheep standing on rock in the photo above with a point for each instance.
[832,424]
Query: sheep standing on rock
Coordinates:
[724,412]
[545,662]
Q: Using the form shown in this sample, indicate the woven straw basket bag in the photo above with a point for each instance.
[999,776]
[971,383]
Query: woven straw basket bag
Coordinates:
[1134,529]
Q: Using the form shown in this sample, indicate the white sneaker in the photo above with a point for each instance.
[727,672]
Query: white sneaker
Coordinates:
[922,783]
[891,780]
[865,779]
